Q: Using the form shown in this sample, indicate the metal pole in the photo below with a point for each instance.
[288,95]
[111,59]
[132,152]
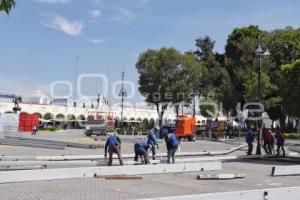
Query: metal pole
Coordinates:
[75,81]
[122,95]
[194,102]
[260,122]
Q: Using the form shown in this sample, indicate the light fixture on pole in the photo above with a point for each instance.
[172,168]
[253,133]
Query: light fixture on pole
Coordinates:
[261,55]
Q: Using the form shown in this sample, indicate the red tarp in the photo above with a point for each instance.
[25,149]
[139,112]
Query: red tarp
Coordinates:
[28,121]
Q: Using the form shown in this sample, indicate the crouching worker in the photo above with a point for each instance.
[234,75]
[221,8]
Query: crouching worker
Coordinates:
[113,145]
[141,149]
[172,146]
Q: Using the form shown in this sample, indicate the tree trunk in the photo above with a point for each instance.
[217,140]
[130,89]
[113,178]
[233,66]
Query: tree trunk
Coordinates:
[282,121]
[177,110]
[160,112]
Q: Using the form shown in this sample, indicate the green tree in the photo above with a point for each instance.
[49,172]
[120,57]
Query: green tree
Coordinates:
[284,45]
[290,91]
[7,5]
[241,62]
[240,54]
[160,78]
[216,79]
[251,87]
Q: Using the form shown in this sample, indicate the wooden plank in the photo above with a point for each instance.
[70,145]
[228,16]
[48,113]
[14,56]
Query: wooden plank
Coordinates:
[84,172]
[119,177]
[291,193]
[124,178]
[220,176]
[288,170]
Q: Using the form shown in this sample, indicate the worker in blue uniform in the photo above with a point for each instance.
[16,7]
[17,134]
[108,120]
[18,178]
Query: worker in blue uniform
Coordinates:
[141,149]
[172,146]
[113,145]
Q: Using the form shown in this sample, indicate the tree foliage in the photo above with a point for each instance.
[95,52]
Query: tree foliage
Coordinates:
[290,88]
[7,5]
[165,77]
[230,77]
[216,83]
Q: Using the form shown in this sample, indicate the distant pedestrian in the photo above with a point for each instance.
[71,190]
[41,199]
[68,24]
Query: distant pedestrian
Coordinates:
[268,141]
[141,149]
[250,140]
[280,139]
[172,146]
[113,145]
[152,140]
[34,130]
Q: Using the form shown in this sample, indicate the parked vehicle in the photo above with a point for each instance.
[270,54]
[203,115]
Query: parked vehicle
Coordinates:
[99,123]
[186,127]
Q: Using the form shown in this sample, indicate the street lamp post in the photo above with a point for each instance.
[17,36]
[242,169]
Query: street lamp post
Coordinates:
[261,55]
[122,94]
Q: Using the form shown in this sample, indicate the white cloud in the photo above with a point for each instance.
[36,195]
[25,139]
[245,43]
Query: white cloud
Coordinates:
[123,14]
[53,1]
[95,13]
[24,87]
[60,23]
[96,41]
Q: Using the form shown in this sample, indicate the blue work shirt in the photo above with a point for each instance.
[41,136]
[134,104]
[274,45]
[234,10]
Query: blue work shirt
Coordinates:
[142,143]
[173,140]
[111,141]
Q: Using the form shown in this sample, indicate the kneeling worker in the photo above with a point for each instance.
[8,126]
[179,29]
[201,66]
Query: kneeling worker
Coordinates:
[113,144]
[141,149]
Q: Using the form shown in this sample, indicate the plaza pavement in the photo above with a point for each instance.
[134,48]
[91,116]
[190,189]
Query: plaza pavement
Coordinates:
[151,186]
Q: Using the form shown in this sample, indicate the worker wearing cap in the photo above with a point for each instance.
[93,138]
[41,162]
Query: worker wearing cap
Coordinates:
[141,149]
[153,142]
[113,145]
[172,146]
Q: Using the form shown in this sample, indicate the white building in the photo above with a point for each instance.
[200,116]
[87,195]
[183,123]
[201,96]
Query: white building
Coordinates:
[72,113]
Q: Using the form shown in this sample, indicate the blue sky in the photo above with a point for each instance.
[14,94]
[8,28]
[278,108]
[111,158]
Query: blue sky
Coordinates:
[41,39]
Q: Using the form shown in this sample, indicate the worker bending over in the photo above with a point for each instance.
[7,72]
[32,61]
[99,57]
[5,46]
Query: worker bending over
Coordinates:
[172,146]
[152,140]
[141,149]
[113,144]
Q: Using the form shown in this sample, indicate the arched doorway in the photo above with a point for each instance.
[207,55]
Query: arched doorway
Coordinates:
[48,120]
[80,121]
[71,121]
[60,120]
